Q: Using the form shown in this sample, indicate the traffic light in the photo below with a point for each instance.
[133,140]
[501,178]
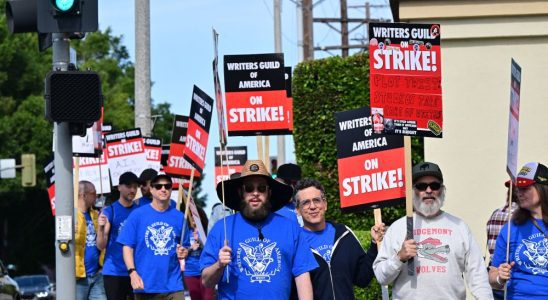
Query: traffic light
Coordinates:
[73,96]
[28,174]
[67,16]
[50,16]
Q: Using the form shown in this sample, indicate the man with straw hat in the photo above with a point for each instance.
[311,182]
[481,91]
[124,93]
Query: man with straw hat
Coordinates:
[259,252]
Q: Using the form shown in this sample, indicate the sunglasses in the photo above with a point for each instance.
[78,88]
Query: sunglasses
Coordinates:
[252,188]
[424,185]
[159,186]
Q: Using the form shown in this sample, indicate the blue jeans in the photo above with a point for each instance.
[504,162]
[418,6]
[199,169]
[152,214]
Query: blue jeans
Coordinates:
[91,288]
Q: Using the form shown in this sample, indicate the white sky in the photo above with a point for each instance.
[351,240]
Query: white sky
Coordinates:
[182,48]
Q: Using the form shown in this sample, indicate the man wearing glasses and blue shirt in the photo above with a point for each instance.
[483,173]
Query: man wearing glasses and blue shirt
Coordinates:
[260,252]
[343,262]
[443,248]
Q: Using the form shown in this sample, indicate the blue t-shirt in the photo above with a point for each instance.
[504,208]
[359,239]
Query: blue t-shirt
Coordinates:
[91,252]
[322,241]
[114,261]
[260,269]
[143,201]
[192,262]
[154,236]
[289,211]
[529,249]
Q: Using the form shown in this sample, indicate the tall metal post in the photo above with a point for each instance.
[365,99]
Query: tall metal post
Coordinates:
[142,67]
[308,32]
[65,275]
[278,48]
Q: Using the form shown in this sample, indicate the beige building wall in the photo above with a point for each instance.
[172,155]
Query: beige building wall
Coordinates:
[478,40]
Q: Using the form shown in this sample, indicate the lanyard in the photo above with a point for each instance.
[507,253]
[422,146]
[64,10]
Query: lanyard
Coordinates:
[538,227]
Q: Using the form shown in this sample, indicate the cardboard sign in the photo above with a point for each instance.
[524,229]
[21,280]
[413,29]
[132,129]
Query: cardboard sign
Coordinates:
[513,122]
[125,153]
[405,79]
[219,101]
[91,145]
[256,100]
[49,169]
[371,166]
[234,159]
[96,171]
[153,151]
[289,94]
[197,135]
[176,164]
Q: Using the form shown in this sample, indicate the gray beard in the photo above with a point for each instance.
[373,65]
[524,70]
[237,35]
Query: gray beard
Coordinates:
[428,210]
[258,214]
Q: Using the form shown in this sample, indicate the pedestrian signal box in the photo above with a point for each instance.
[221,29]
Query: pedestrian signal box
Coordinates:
[73,96]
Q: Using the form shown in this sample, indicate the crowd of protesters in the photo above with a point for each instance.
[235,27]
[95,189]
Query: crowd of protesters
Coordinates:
[272,241]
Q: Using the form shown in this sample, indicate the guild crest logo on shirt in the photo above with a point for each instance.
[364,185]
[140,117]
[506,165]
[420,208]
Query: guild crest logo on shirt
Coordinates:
[536,254]
[160,238]
[90,234]
[255,259]
[431,249]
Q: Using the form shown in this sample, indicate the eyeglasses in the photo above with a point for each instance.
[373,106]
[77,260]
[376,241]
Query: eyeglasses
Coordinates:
[422,186]
[249,188]
[306,203]
[159,186]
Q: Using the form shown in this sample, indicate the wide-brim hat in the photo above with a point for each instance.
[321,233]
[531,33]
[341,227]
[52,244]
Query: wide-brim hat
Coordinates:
[280,192]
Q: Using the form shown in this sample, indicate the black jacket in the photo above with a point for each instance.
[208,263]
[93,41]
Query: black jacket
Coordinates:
[350,265]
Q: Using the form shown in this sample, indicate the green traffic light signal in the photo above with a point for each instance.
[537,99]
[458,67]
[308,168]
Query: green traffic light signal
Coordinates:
[64,6]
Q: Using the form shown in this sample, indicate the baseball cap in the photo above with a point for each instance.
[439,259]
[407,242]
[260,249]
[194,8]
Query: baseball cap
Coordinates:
[289,172]
[532,173]
[427,169]
[147,175]
[160,176]
[128,178]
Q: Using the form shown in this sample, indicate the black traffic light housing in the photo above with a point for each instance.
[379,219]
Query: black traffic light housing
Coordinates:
[73,96]
[50,16]
[79,16]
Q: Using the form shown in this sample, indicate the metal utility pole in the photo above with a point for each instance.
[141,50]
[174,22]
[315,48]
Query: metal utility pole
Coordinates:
[64,260]
[344,20]
[344,28]
[278,49]
[308,34]
[142,67]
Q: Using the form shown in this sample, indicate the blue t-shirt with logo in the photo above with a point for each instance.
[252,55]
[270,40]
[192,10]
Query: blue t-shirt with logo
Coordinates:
[529,250]
[192,262]
[91,252]
[322,241]
[260,269]
[114,261]
[154,236]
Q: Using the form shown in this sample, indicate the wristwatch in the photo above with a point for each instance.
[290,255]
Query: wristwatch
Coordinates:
[130,270]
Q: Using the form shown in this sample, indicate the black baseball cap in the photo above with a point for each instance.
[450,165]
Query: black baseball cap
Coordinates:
[289,172]
[160,176]
[128,178]
[427,169]
[147,175]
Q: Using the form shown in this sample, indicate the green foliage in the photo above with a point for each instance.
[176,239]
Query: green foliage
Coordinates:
[373,291]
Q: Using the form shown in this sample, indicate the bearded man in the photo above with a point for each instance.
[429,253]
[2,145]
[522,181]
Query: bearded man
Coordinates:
[443,248]
[259,252]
